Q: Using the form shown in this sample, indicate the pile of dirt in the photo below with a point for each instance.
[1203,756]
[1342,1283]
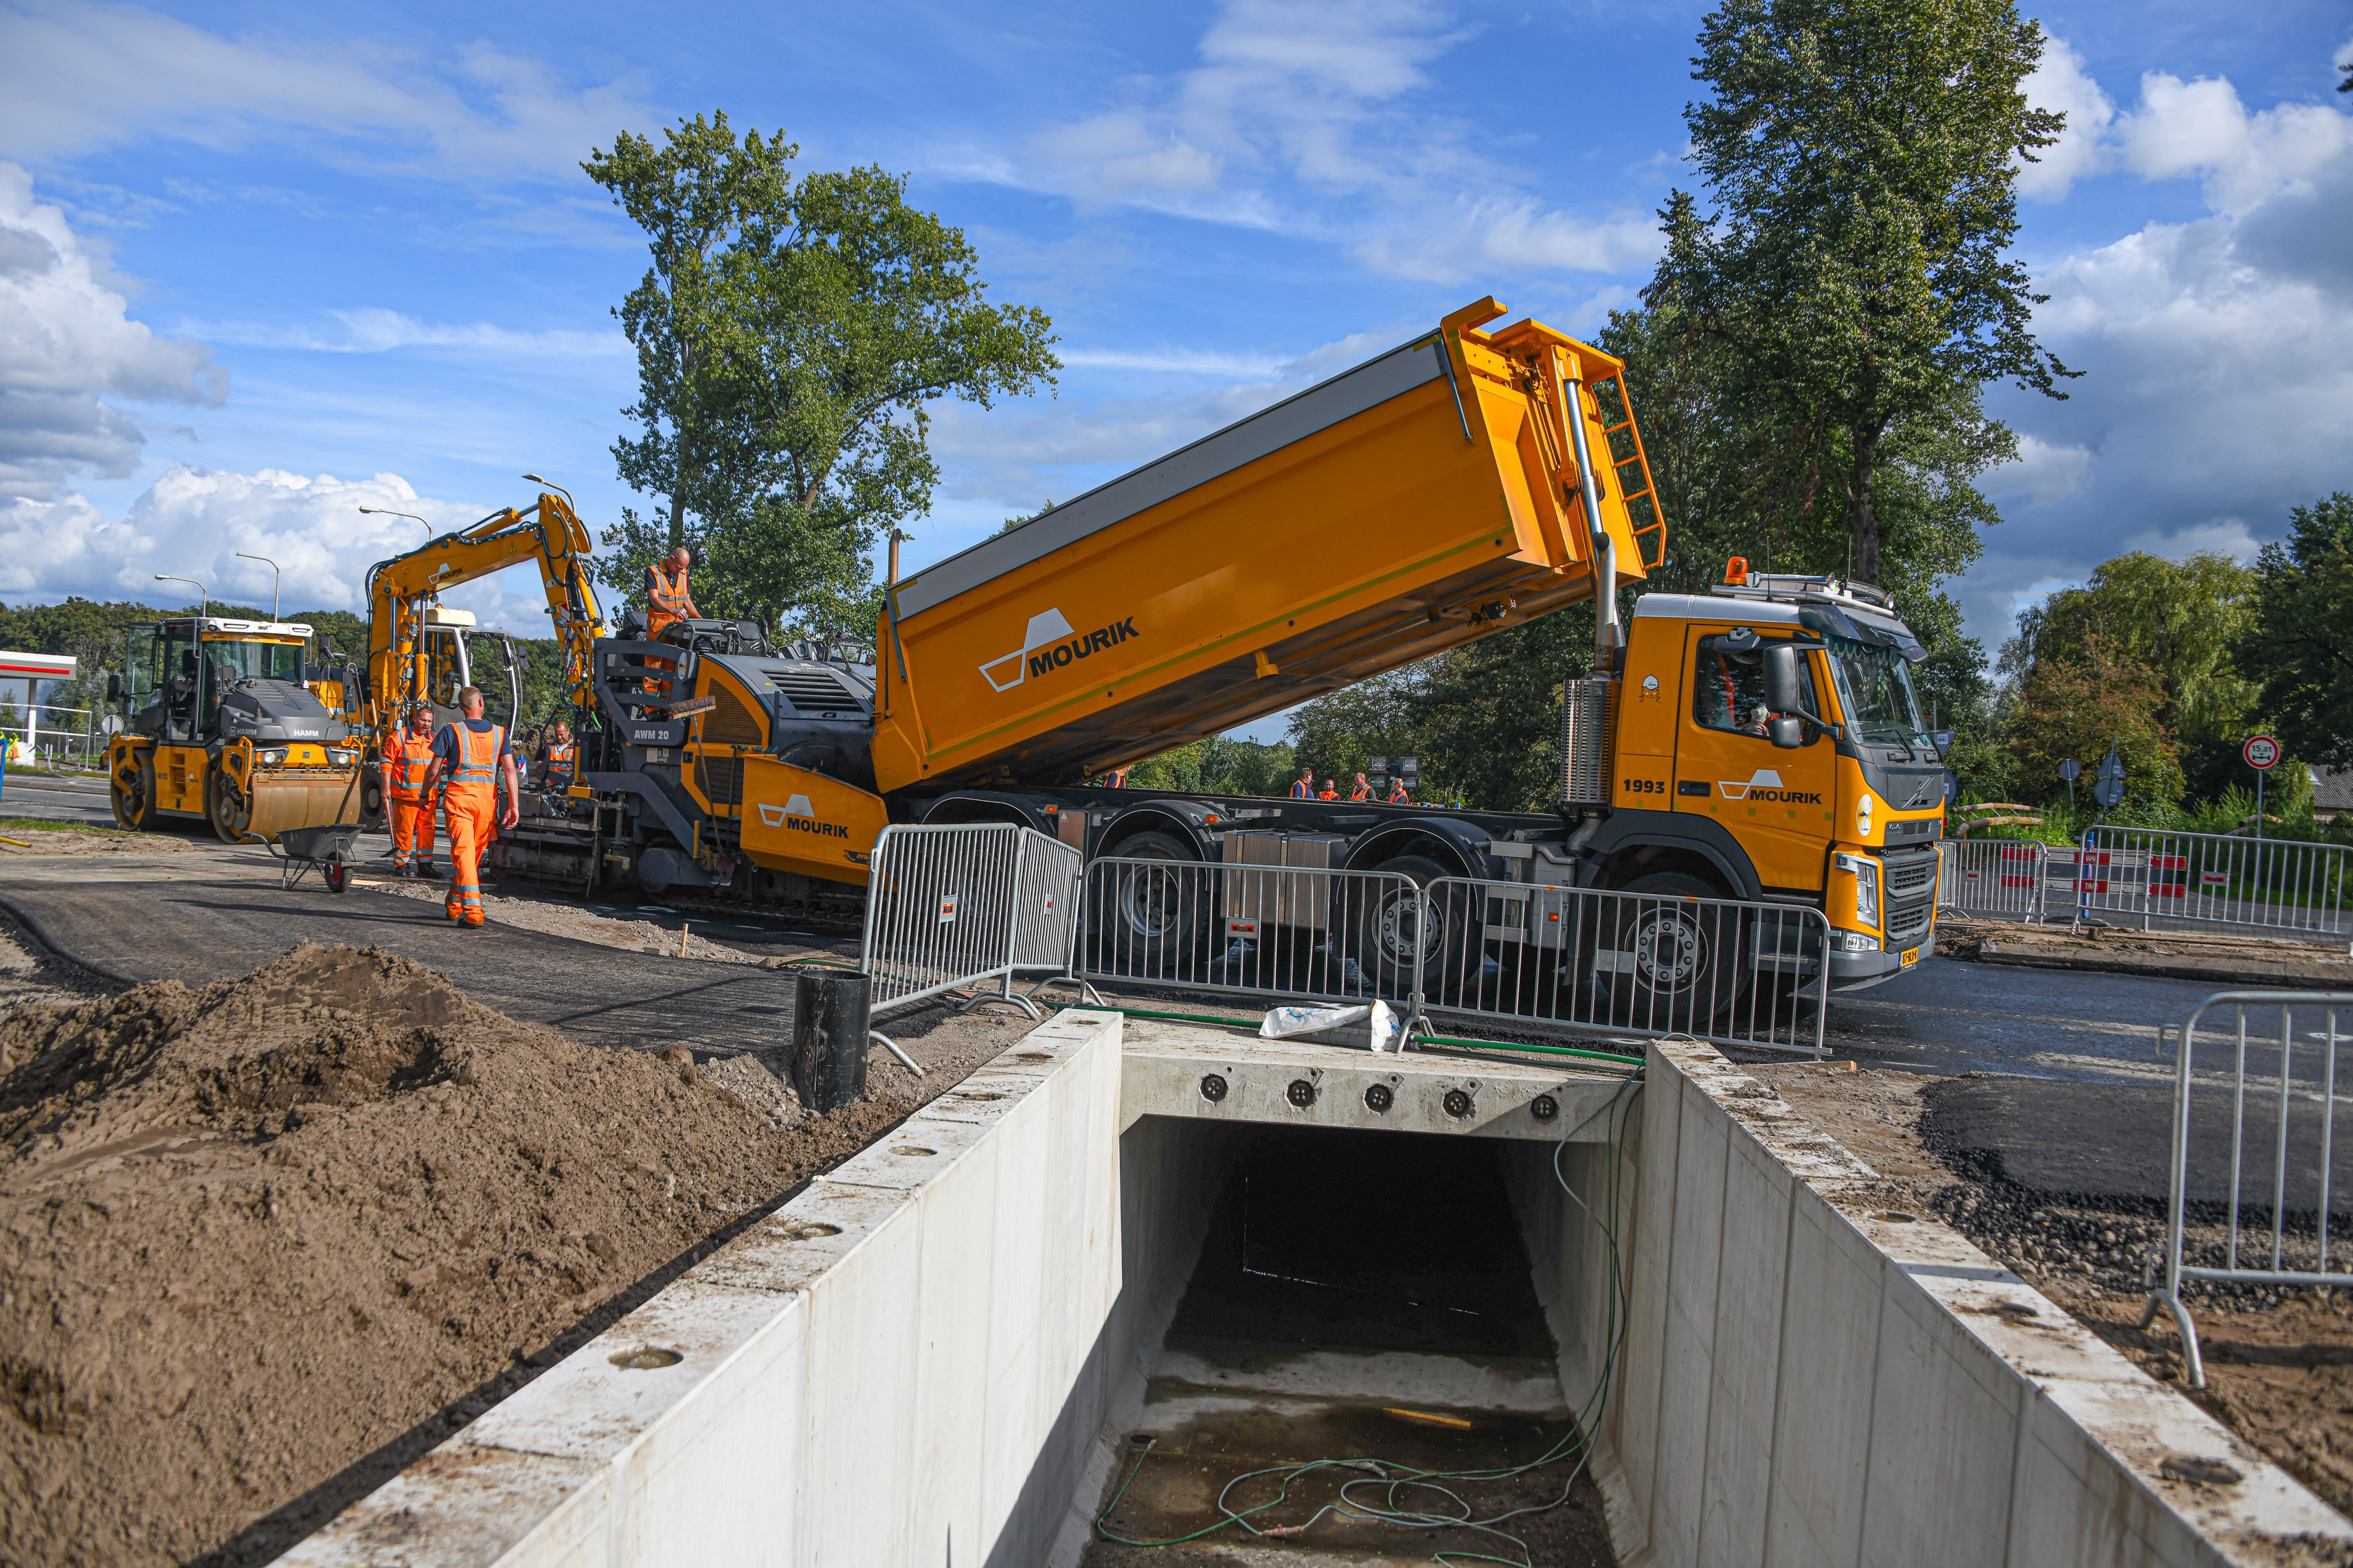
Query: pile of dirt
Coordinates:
[2166,954]
[254,1235]
[20,836]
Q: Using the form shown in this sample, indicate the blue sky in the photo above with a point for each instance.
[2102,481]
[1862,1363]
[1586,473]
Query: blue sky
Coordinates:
[260,264]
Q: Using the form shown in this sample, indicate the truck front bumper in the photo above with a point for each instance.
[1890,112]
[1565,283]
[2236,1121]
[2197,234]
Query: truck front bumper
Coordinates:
[1855,971]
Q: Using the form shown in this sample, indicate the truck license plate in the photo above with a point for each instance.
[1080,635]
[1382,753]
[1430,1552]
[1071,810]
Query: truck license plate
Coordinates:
[1911,957]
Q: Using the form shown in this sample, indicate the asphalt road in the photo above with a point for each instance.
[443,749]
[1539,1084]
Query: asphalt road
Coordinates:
[215,921]
[59,799]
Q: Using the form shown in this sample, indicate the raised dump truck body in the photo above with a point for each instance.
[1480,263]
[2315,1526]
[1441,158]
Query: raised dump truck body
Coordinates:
[1463,483]
[1422,500]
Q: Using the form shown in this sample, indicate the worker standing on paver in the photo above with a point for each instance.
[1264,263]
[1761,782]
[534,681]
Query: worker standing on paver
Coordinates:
[666,598]
[476,766]
[408,755]
[1360,790]
[1397,795]
[1329,792]
[559,758]
[1303,786]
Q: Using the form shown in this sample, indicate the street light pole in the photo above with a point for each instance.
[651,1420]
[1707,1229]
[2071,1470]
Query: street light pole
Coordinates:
[204,609]
[275,577]
[388,511]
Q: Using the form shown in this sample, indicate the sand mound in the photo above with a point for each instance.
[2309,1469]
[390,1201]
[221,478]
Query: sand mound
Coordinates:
[251,1233]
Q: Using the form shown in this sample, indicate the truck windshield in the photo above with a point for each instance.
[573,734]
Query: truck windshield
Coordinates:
[1874,687]
[231,661]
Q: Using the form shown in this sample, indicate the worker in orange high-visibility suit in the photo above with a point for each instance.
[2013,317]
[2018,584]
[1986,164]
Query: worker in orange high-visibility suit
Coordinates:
[1361,790]
[408,755]
[666,599]
[476,770]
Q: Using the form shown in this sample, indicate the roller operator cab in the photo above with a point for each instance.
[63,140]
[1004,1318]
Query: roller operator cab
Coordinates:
[223,725]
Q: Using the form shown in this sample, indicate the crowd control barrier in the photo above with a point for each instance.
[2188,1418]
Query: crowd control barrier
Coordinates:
[953,907]
[1728,971]
[1993,879]
[1731,972]
[2256,1137]
[1260,932]
[2259,885]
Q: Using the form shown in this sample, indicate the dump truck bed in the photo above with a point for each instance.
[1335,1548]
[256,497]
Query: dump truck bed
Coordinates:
[1422,500]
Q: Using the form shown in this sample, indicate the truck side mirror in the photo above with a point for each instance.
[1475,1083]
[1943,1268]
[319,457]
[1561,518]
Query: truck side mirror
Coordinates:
[1787,732]
[1782,694]
[113,687]
[1943,739]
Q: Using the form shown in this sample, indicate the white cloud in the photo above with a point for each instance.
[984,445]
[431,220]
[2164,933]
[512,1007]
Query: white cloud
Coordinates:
[2042,473]
[2061,83]
[67,344]
[2201,128]
[372,329]
[193,522]
[1305,117]
[74,78]
[2216,384]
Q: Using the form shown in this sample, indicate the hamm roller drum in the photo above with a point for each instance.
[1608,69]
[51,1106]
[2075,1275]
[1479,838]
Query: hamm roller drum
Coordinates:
[281,801]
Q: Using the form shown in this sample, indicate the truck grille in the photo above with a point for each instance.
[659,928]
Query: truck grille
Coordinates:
[814,690]
[1911,896]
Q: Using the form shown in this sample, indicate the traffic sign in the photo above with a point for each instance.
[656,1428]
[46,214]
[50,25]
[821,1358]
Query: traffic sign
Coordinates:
[2109,793]
[2071,770]
[2261,751]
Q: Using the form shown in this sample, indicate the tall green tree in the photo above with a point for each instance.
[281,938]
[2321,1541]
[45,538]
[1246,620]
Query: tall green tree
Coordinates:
[1849,292]
[2301,640]
[791,335]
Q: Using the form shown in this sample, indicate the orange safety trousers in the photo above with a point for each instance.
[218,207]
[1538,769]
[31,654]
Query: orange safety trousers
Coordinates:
[407,810]
[470,803]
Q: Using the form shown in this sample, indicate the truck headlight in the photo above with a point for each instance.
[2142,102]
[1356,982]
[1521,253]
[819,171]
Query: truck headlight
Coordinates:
[1866,886]
[270,758]
[1857,942]
[341,759]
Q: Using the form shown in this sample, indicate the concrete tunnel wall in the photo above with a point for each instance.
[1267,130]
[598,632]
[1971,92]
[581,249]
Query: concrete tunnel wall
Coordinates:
[1808,1377]
[931,1357]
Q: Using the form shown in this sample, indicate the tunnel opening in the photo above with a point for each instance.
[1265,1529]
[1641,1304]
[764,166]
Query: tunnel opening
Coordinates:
[1357,1368]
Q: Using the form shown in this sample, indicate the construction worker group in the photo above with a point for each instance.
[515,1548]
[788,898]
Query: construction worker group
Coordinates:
[467,769]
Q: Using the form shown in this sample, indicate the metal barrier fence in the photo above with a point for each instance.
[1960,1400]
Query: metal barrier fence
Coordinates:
[1997,878]
[1723,970]
[949,906]
[1253,931]
[1728,970]
[2210,878]
[2284,1136]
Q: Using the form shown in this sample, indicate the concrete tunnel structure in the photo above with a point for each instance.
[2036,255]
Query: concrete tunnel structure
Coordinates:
[939,1353]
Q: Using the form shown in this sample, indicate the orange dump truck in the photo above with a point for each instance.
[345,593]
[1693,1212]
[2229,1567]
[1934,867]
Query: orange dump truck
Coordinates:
[1465,482]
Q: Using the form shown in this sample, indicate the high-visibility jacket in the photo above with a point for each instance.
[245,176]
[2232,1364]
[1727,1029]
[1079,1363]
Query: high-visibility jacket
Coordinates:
[1302,790]
[1327,795]
[1362,791]
[666,598]
[406,756]
[476,774]
[1397,795]
[557,768]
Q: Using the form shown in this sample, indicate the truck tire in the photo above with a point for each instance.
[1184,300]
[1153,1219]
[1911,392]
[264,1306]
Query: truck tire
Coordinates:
[1665,964]
[1146,922]
[1381,928]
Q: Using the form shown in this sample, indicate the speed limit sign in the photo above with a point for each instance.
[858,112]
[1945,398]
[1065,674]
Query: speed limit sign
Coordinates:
[2261,751]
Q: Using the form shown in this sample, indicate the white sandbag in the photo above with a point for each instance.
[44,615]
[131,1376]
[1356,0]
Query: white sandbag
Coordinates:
[1373,1027]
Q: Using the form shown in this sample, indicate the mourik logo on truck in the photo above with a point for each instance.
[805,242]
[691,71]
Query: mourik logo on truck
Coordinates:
[1044,651]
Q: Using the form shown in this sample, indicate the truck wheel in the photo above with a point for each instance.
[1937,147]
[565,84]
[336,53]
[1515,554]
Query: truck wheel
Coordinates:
[1665,963]
[1384,933]
[1150,922]
[134,801]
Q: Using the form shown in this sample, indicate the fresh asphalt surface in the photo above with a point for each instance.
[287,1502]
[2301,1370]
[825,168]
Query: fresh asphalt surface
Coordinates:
[2085,1035]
